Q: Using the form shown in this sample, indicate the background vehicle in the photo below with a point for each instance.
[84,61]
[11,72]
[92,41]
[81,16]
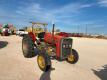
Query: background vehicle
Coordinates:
[7,29]
[48,46]
[64,34]
[21,32]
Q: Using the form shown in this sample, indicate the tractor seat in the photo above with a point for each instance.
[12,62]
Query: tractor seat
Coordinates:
[41,36]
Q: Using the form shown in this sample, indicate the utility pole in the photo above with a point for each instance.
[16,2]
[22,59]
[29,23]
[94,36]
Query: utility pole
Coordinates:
[86,29]
[77,28]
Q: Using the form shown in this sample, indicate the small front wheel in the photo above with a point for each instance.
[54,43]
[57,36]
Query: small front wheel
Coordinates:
[73,57]
[44,62]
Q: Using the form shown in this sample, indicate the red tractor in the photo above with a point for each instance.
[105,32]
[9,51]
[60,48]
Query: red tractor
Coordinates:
[48,46]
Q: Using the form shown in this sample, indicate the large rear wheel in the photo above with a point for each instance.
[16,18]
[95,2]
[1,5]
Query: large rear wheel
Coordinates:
[28,47]
[44,62]
[73,57]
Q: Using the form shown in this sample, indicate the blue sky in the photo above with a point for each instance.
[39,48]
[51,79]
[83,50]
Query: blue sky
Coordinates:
[69,15]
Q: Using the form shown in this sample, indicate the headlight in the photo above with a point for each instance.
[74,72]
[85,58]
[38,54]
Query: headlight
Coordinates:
[63,46]
[70,45]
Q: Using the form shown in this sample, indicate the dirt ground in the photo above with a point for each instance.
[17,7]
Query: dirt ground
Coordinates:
[92,64]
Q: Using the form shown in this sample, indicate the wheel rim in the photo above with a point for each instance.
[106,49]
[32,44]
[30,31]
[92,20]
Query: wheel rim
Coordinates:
[41,62]
[71,58]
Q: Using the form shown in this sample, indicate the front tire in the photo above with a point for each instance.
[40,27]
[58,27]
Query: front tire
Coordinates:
[73,57]
[44,62]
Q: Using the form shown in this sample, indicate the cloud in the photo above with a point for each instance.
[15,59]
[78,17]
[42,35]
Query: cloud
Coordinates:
[102,3]
[35,12]
[31,9]
[67,13]
[71,8]
[86,5]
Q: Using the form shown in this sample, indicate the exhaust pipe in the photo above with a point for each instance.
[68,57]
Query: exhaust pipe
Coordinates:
[53,29]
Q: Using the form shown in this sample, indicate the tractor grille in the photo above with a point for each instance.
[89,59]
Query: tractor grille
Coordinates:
[66,47]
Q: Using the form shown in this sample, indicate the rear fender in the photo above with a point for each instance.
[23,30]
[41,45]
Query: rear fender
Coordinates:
[31,34]
[34,38]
